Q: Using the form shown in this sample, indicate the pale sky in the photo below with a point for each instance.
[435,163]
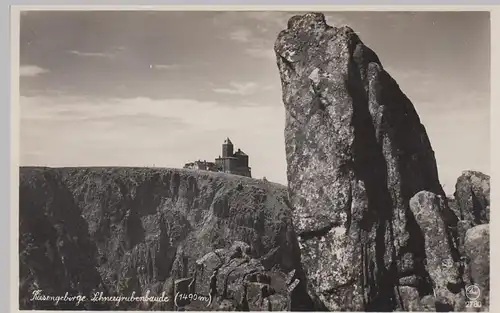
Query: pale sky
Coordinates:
[165,88]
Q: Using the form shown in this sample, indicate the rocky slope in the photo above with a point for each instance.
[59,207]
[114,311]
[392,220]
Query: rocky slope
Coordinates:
[373,223]
[124,230]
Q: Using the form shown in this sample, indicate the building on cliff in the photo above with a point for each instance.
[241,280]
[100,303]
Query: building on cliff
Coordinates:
[201,165]
[230,162]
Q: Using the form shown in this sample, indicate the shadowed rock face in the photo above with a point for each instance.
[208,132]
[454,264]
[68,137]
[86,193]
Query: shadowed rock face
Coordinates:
[472,196]
[356,153]
[124,230]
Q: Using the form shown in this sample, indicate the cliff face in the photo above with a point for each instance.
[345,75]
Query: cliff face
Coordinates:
[119,230]
[356,154]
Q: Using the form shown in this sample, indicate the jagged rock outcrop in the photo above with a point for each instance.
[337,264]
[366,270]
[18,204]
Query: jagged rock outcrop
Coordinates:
[243,283]
[472,196]
[477,248]
[471,204]
[442,261]
[356,153]
[124,230]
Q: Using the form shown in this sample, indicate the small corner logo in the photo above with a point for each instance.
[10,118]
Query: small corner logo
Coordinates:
[472,292]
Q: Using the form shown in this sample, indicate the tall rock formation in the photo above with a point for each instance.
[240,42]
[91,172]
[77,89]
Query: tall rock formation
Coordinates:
[356,153]
[472,207]
[441,258]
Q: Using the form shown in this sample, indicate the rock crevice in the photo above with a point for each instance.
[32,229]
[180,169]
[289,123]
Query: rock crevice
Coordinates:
[356,154]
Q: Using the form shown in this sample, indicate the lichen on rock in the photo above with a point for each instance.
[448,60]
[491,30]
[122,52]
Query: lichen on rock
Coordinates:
[356,153]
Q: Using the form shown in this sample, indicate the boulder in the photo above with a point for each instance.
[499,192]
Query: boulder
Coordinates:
[477,248]
[243,283]
[472,195]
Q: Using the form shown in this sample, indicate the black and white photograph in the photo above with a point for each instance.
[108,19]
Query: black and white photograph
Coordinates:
[253,160]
